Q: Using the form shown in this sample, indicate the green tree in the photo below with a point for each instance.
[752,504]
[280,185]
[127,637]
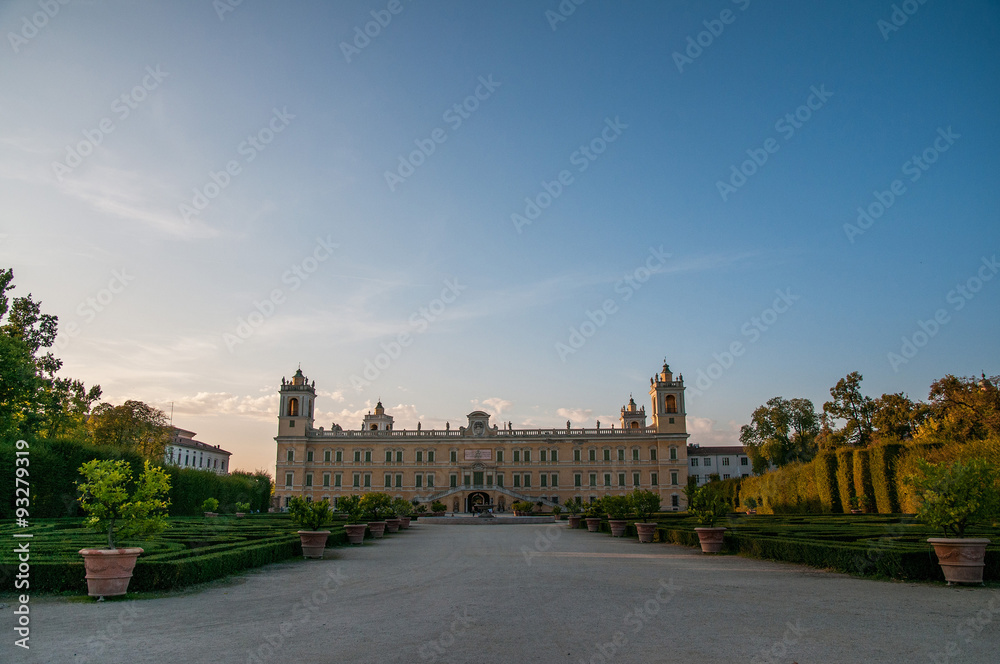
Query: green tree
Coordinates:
[897,417]
[965,408]
[133,426]
[780,432]
[113,510]
[854,408]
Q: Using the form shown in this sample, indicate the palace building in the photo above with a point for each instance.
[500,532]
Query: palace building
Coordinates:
[482,464]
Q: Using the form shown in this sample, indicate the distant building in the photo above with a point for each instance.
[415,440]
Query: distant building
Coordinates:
[186,452]
[726,461]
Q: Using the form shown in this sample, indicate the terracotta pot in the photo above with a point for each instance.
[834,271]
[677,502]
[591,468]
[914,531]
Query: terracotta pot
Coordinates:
[377,528]
[646,531]
[240,515]
[593,524]
[356,532]
[617,527]
[856,511]
[109,570]
[392,525]
[574,521]
[751,511]
[404,522]
[211,514]
[961,559]
[313,542]
[710,538]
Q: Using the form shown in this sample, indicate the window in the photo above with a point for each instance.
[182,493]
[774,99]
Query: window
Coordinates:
[290,456]
[420,456]
[517,480]
[673,501]
[607,454]
[454,456]
[673,453]
[399,456]
[621,455]
[673,477]
[500,479]
[399,480]
[466,480]
[576,455]
[326,480]
[725,461]
[694,462]
[309,479]
[607,479]
[694,478]
[527,479]
[670,403]
[555,455]
[418,481]
[593,455]
[654,479]
[357,480]
[652,453]
[672,421]
[340,456]
[388,480]
[517,456]
[543,481]
[430,456]
[635,479]
[291,424]
[725,476]
[309,456]
[743,461]
[555,480]
[708,461]
[577,479]
[326,456]
[388,456]
[357,456]
[430,480]
[368,479]
[453,481]
[288,479]
[635,455]
[621,479]
[293,407]
[368,456]
[593,480]
[527,456]
[499,456]
[489,480]
[336,479]
[542,456]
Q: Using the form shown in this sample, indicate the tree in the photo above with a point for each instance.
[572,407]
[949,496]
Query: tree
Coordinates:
[113,510]
[856,409]
[897,417]
[964,408]
[132,426]
[780,432]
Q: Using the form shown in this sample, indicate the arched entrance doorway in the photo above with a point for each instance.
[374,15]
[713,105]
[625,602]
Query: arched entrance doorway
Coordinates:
[477,499]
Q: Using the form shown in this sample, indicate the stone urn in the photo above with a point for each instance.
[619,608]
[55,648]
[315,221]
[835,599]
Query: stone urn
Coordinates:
[313,542]
[404,522]
[109,570]
[392,525]
[377,528]
[646,531]
[355,532]
[574,520]
[593,523]
[617,527]
[961,559]
[711,539]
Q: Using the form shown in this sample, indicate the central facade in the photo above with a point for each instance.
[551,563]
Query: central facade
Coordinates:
[482,464]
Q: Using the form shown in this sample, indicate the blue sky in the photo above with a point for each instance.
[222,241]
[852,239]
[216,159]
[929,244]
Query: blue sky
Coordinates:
[307,251]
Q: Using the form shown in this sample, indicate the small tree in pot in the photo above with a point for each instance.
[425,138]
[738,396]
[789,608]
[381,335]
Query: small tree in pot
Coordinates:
[119,515]
[403,509]
[593,515]
[376,507]
[355,528]
[210,506]
[439,508]
[618,508]
[645,504]
[953,497]
[708,507]
[311,517]
[242,509]
[574,506]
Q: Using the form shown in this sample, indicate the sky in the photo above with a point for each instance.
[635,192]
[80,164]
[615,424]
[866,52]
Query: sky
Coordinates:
[520,207]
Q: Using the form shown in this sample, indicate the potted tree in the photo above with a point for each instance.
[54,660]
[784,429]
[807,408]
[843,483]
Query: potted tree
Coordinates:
[953,496]
[355,529]
[403,509]
[392,517]
[418,511]
[855,504]
[311,517]
[376,507]
[592,517]
[209,507]
[119,515]
[751,504]
[242,509]
[438,508]
[617,508]
[708,507]
[574,506]
[645,504]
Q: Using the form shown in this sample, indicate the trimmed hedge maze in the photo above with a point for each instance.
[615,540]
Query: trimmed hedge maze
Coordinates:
[192,550]
[873,545]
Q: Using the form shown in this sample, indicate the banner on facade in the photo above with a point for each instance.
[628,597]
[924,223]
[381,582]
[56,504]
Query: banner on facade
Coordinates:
[478,455]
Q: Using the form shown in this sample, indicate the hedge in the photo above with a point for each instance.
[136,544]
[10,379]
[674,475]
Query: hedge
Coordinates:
[883,471]
[845,477]
[825,465]
[863,478]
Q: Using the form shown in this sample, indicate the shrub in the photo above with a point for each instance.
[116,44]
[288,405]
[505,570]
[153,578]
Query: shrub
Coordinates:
[242,507]
[883,472]
[210,505]
[350,506]
[617,507]
[402,507]
[845,476]
[556,510]
[956,495]
[115,513]
[645,504]
[438,506]
[376,506]
[825,465]
[706,506]
[309,516]
[574,505]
